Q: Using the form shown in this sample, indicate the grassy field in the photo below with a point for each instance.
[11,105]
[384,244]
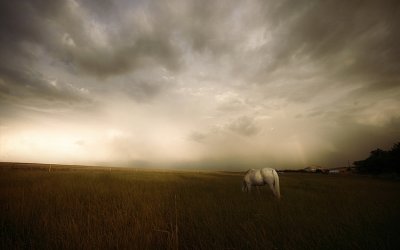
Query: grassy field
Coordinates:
[126,209]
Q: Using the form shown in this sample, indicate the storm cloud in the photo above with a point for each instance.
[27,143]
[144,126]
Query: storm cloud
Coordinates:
[221,83]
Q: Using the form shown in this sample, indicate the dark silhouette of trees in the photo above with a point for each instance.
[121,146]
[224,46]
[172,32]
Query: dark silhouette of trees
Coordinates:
[381,161]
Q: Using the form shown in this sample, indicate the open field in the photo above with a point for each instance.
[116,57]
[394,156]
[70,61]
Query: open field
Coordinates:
[126,209]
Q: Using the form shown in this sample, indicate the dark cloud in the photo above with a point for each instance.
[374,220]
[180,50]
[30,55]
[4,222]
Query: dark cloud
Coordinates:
[26,30]
[66,31]
[346,43]
[156,32]
[27,84]
[141,90]
[36,35]
[25,21]
[216,66]
[105,49]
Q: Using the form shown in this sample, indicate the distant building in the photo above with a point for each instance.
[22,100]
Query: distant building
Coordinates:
[310,169]
[314,169]
[342,170]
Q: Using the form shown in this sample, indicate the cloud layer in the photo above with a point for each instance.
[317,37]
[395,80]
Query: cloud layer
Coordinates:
[225,84]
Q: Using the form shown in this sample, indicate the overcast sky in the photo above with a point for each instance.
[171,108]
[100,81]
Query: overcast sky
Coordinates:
[199,84]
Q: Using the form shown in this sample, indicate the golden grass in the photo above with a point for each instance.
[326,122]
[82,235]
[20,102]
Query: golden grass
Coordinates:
[168,210]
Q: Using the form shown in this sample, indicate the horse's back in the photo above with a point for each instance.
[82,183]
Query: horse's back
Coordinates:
[259,172]
[259,176]
[267,170]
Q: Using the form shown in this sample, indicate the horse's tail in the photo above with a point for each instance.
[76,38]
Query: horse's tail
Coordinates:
[276,184]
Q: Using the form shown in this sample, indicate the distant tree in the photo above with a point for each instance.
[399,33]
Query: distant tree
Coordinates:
[396,149]
[394,156]
[381,161]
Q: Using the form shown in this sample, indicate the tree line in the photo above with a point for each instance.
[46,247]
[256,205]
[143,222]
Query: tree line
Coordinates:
[381,161]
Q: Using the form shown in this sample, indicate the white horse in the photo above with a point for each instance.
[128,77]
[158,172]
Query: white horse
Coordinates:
[260,177]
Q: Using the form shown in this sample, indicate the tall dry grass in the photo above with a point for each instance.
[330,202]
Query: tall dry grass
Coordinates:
[155,210]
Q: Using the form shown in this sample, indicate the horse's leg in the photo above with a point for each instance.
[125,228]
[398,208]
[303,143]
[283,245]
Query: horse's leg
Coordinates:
[258,189]
[248,187]
[271,186]
[244,187]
